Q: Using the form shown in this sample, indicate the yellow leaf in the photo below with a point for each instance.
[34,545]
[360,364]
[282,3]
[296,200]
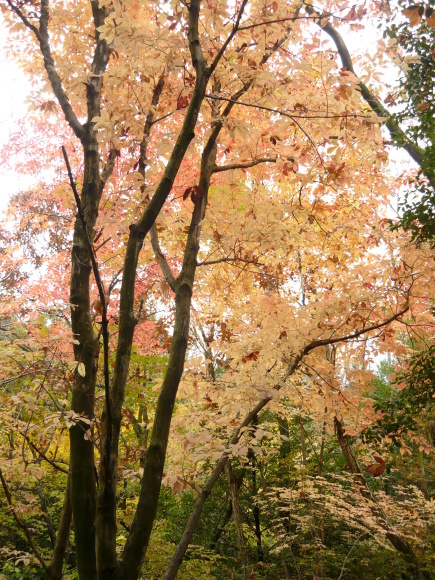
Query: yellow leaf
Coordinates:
[81,369]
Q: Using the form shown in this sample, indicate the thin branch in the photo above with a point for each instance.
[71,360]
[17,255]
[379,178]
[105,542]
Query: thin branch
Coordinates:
[21,524]
[149,122]
[236,259]
[217,58]
[41,454]
[270,110]
[277,21]
[229,167]
[362,534]
[356,334]
[399,137]
[218,124]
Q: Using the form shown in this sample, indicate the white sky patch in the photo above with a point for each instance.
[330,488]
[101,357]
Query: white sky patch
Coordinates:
[15,89]
[13,94]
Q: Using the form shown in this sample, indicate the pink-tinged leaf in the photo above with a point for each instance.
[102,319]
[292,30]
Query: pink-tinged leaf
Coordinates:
[182,103]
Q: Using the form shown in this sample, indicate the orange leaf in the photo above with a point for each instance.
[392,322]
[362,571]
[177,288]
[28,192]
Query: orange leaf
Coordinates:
[414,13]
[376,469]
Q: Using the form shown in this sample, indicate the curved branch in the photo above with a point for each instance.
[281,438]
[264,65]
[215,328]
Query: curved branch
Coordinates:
[269,109]
[42,455]
[399,137]
[53,76]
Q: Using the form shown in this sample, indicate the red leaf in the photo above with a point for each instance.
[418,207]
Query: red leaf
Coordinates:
[376,469]
[187,192]
[198,190]
[182,102]
[379,470]
[251,356]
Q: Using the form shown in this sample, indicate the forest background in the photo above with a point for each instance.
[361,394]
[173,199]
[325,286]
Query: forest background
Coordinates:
[196,288]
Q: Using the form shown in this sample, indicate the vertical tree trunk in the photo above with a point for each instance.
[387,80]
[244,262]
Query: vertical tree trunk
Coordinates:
[82,464]
[238,520]
[256,510]
[54,571]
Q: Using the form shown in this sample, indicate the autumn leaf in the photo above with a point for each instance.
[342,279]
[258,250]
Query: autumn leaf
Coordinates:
[182,102]
[430,16]
[376,469]
[351,15]
[414,13]
[252,356]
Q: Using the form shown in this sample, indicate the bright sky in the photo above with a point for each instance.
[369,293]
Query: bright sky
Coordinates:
[15,89]
[12,107]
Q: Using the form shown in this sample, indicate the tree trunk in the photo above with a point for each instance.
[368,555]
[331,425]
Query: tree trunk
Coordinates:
[82,463]
[54,571]
[238,520]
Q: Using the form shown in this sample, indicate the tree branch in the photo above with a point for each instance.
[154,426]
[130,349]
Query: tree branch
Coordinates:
[399,137]
[56,83]
[217,58]
[179,553]
[108,167]
[24,19]
[161,259]
[277,21]
[54,571]
[228,259]
[196,54]
[229,167]
[41,454]
[21,524]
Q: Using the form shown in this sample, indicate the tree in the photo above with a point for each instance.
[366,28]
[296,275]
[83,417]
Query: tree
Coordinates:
[192,123]
[417,113]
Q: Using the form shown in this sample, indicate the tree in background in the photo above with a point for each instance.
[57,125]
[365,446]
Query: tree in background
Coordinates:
[227,177]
